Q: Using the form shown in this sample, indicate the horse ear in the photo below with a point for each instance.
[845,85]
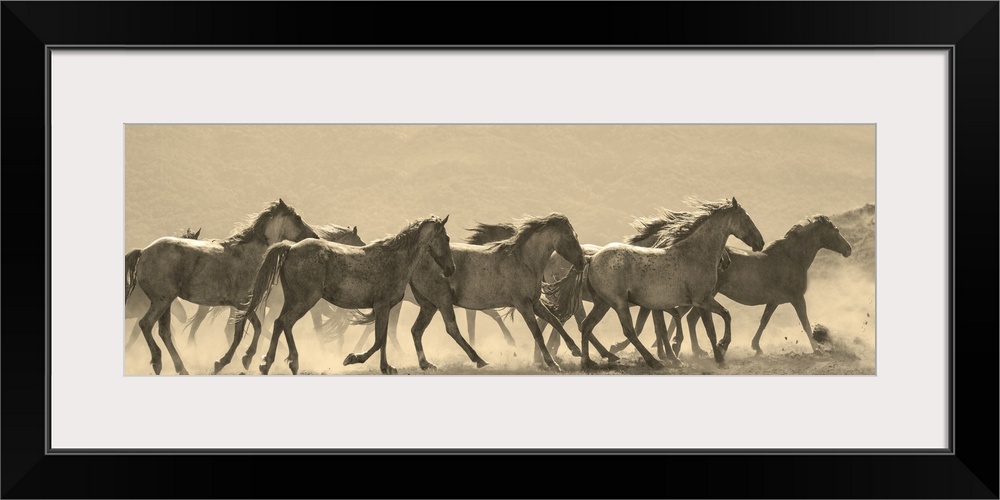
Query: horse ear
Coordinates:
[736,204]
[355,229]
[197,234]
[445,220]
[281,203]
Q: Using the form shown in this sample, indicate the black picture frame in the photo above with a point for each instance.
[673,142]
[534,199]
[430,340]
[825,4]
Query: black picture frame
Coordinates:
[968,470]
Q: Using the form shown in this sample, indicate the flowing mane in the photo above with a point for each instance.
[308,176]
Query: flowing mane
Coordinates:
[677,226]
[803,224]
[253,225]
[647,227]
[489,233]
[406,238]
[525,228]
[331,232]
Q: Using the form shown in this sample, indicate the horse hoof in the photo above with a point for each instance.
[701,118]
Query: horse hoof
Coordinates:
[293,365]
[575,352]
[481,363]
[615,348]
[388,370]
[157,367]
[677,349]
[182,371]
[427,365]
[700,353]
[246,361]
[677,363]
[351,359]
[588,365]
[555,367]
[612,358]
[264,368]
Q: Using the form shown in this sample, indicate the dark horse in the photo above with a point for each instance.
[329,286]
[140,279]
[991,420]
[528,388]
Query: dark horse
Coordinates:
[372,276]
[213,273]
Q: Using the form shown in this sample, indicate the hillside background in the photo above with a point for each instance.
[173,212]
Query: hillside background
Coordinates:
[602,177]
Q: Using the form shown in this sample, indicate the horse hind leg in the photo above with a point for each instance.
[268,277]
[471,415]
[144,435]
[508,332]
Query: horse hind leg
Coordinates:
[768,311]
[167,338]
[640,321]
[692,320]
[592,319]
[257,325]
[156,310]
[663,349]
[291,311]
[424,317]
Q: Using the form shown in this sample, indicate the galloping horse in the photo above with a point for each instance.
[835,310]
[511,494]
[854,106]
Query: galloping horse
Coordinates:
[139,303]
[329,232]
[213,273]
[776,275]
[683,270]
[506,273]
[372,276]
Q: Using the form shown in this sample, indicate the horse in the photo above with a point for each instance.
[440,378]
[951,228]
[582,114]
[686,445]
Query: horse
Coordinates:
[776,275]
[212,272]
[506,273]
[647,236]
[373,276]
[682,270]
[135,308]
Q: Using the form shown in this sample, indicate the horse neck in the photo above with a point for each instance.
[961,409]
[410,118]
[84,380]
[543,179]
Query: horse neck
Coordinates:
[801,249]
[536,252]
[407,257]
[709,239]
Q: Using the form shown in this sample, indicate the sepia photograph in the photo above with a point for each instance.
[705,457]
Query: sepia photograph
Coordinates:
[535,249]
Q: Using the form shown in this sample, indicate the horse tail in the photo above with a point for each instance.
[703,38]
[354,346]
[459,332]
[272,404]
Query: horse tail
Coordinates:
[178,310]
[267,275]
[131,259]
[335,327]
[361,318]
[563,296]
[507,313]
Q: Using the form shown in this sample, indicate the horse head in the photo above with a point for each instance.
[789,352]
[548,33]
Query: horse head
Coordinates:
[743,227]
[285,224]
[832,239]
[434,236]
[568,243]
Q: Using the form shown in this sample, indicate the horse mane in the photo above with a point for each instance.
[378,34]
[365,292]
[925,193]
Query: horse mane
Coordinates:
[677,226]
[647,227]
[525,228]
[406,238]
[486,233]
[801,225]
[331,232]
[253,225]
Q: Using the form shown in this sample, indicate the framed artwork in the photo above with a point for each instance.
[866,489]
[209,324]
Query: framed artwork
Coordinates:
[259,145]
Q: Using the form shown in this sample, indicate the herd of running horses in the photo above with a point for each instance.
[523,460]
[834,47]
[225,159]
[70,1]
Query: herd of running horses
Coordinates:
[676,263]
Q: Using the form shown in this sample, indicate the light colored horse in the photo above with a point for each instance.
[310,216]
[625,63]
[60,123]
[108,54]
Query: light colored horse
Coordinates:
[776,275]
[212,272]
[683,270]
[372,276]
[506,273]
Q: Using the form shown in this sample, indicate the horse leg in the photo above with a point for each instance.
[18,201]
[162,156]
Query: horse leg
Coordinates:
[768,311]
[552,344]
[451,326]
[393,321]
[593,318]
[640,321]
[545,314]
[470,324]
[727,337]
[693,316]
[664,351]
[295,306]
[237,338]
[252,348]
[527,312]
[156,310]
[799,303]
[706,318]
[369,330]
[424,317]
[168,341]
[625,317]
[503,328]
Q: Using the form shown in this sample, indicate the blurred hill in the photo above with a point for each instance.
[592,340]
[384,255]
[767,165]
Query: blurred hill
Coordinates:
[378,177]
[858,228]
